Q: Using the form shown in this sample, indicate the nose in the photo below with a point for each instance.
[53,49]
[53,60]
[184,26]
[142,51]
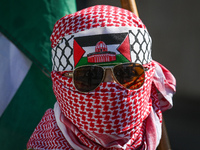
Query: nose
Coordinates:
[108,76]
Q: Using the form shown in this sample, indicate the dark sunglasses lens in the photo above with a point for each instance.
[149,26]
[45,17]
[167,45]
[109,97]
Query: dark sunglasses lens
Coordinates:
[130,76]
[87,78]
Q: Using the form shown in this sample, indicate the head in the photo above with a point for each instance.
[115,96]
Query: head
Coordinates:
[103,36]
[116,47]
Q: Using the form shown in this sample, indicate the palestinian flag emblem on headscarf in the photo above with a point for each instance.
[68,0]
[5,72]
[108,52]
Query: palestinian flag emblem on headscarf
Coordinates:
[103,49]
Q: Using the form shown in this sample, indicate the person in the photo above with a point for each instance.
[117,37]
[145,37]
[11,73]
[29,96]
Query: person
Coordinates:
[110,92]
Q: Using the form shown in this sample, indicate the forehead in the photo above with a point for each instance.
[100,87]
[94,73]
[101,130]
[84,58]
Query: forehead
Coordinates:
[105,46]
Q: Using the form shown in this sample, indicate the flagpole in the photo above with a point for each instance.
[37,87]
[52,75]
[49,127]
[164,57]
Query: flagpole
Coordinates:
[164,142]
[130,5]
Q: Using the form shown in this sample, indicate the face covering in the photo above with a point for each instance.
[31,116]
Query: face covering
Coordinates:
[64,128]
[111,115]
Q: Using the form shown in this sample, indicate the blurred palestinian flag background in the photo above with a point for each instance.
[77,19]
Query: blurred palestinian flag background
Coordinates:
[25,66]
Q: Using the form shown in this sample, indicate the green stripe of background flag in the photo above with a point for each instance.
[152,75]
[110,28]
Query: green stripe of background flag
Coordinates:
[25,66]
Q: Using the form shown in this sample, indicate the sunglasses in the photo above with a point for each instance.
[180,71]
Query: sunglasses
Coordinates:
[88,78]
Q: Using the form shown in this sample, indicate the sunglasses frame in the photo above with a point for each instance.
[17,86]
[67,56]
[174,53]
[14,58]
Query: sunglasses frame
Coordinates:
[71,74]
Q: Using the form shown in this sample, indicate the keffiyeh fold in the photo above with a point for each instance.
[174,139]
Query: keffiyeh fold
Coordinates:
[104,121]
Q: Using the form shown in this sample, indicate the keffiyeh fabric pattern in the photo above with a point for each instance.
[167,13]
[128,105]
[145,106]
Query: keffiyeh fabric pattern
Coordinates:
[110,117]
[93,17]
[140,137]
[109,111]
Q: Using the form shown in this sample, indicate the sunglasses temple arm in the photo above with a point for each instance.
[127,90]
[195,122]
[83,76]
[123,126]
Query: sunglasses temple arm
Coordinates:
[69,74]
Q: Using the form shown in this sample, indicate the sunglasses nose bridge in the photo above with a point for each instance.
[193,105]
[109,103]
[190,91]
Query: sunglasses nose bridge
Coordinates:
[108,77]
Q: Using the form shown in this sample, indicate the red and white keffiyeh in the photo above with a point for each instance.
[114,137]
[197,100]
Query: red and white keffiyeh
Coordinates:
[110,117]
[105,121]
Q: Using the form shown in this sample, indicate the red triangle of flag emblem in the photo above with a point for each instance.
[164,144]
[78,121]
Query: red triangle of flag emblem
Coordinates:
[124,48]
[78,53]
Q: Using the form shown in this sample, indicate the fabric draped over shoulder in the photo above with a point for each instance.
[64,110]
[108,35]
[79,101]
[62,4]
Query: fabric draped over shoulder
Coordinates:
[165,83]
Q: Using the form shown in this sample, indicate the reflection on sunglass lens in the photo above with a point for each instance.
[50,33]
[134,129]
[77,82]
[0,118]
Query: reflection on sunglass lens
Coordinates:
[130,76]
[87,78]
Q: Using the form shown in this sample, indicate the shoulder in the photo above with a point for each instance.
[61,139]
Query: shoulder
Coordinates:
[47,134]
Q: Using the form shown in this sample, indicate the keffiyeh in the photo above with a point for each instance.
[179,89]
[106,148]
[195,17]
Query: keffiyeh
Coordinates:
[110,117]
